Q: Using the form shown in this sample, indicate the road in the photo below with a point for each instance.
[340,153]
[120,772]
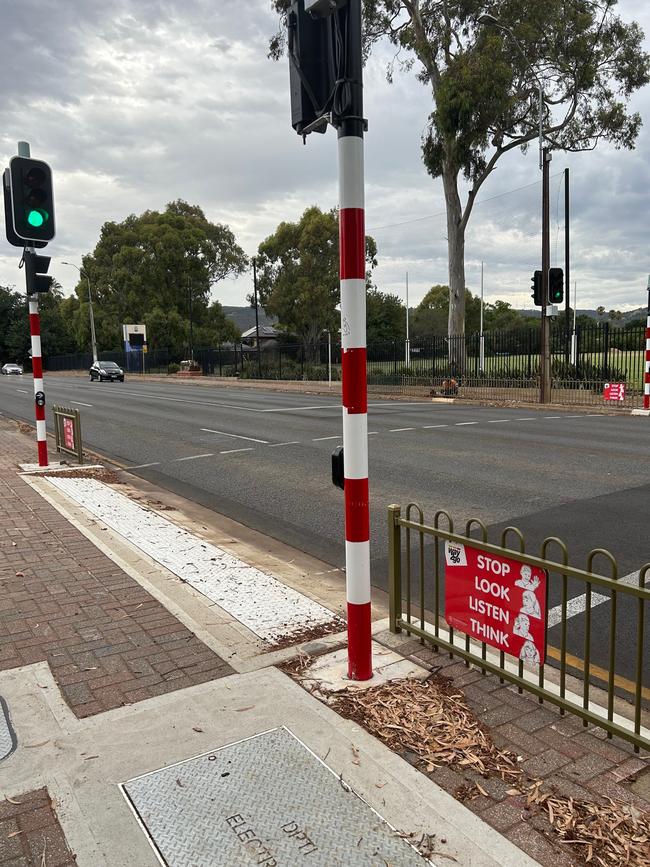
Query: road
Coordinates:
[263,458]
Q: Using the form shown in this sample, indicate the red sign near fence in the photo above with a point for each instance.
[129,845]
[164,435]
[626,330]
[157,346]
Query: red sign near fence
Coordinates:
[496,600]
[68,433]
[614,391]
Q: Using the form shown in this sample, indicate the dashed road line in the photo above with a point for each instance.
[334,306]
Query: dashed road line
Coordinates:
[234,451]
[320,439]
[235,436]
[142,466]
[292,443]
[22,391]
[429,426]
[399,429]
[528,418]
[578,604]
[464,423]
[499,420]
[552,416]
[193,457]
[80,403]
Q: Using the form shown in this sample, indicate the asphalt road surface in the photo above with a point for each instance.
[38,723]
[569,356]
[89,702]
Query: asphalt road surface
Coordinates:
[263,458]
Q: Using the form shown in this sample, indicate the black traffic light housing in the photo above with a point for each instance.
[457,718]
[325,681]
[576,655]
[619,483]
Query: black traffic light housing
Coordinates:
[12,237]
[555,286]
[35,273]
[338,475]
[311,70]
[32,199]
[536,286]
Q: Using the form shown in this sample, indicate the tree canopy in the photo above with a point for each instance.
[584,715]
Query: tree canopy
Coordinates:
[385,316]
[155,268]
[484,83]
[298,275]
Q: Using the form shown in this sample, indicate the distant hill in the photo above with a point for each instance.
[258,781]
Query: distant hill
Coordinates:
[244,317]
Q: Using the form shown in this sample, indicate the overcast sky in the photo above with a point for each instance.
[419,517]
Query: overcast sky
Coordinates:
[135,103]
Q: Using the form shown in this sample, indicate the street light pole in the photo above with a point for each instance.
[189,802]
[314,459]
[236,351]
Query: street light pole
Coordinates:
[407,358]
[93,340]
[257,321]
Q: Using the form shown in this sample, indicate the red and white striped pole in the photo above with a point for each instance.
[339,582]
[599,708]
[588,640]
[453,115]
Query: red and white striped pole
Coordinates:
[352,244]
[37,361]
[646,384]
[39,392]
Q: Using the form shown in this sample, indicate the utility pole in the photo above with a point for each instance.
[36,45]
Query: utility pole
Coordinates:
[189,289]
[545,355]
[646,384]
[567,263]
[407,354]
[574,336]
[481,351]
[257,321]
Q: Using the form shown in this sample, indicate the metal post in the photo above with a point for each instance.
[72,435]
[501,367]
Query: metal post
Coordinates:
[37,361]
[353,357]
[407,347]
[189,288]
[567,262]
[93,340]
[481,351]
[257,322]
[646,384]
[329,358]
[545,360]
[394,568]
[574,341]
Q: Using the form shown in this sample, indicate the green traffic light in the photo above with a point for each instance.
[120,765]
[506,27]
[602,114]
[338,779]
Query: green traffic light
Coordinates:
[36,218]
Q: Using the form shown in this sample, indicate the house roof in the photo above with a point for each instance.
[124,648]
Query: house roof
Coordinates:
[266,332]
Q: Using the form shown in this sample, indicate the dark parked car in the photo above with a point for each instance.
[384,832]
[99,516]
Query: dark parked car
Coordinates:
[106,371]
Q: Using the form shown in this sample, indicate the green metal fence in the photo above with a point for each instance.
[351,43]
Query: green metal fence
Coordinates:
[416,573]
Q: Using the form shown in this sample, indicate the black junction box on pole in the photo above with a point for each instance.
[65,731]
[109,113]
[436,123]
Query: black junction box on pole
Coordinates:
[311,73]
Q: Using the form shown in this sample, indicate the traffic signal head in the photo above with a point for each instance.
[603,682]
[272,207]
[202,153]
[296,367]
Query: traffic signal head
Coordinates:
[536,286]
[32,199]
[556,286]
[35,271]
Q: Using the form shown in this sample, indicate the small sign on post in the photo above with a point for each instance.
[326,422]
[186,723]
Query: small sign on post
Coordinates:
[497,600]
[67,428]
[614,391]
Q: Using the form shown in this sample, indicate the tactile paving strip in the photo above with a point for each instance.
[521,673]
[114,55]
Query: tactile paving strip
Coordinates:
[7,736]
[266,800]
[263,604]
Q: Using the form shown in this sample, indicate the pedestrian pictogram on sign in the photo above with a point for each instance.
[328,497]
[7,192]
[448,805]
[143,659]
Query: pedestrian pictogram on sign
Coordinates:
[497,600]
[614,391]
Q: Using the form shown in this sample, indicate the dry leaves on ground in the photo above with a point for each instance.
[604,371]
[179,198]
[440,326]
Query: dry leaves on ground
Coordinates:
[610,834]
[428,718]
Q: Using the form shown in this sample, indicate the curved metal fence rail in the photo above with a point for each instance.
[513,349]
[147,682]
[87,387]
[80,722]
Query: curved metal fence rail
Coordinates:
[416,575]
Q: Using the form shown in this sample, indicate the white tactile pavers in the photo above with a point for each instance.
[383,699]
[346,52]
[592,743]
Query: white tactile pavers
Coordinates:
[260,602]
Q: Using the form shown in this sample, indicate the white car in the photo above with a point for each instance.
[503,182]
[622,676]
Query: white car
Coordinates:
[8,369]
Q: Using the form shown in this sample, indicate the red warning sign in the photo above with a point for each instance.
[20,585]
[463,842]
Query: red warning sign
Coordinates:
[68,433]
[496,600]
[614,391]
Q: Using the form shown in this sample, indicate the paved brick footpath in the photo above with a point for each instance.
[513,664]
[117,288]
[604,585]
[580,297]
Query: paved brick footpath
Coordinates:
[108,642]
[573,761]
[30,835]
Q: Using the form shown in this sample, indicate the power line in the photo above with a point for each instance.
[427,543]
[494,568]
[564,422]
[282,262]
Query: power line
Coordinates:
[443,213]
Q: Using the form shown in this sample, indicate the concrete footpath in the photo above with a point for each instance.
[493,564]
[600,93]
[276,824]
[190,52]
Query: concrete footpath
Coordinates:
[169,684]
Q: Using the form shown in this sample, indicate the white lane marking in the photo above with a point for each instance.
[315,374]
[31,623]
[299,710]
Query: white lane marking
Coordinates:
[256,599]
[463,423]
[499,420]
[193,457]
[22,391]
[552,416]
[234,451]
[320,439]
[79,403]
[373,433]
[292,443]
[195,401]
[429,426]
[142,466]
[529,418]
[578,604]
[235,436]
[400,429]
[384,404]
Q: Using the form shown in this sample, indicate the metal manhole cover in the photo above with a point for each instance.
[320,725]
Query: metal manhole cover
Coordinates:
[7,736]
[267,800]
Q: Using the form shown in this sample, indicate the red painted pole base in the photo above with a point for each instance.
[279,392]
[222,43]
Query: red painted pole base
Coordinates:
[359,642]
